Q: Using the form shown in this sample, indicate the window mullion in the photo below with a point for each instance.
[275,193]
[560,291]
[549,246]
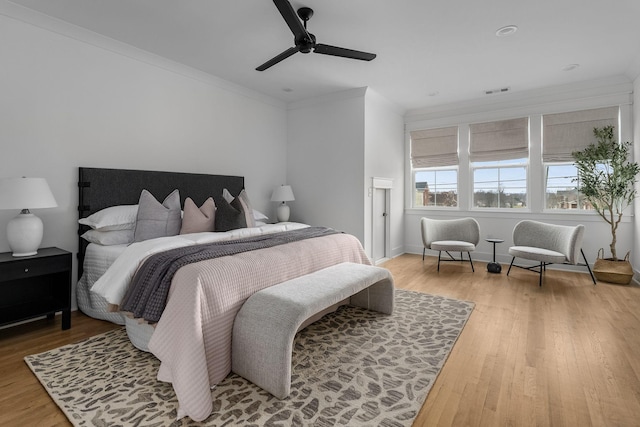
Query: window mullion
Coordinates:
[465,174]
[535,169]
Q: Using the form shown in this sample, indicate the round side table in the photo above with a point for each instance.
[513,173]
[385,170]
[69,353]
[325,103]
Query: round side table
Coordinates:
[494,267]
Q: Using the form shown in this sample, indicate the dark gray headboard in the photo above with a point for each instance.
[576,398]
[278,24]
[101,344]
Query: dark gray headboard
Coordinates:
[101,188]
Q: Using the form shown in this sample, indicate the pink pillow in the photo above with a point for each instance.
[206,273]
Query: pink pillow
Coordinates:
[196,220]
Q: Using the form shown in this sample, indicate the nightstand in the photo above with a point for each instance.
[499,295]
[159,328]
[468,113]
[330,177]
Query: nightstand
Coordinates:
[36,285]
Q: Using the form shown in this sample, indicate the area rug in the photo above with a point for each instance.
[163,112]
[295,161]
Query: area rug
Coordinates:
[353,367]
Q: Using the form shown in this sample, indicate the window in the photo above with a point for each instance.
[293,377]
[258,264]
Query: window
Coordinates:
[561,190]
[500,184]
[434,165]
[499,158]
[435,187]
[563,134]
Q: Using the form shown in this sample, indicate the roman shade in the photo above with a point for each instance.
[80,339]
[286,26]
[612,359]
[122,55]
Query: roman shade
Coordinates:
[434,147]
[565,133]
[502,140]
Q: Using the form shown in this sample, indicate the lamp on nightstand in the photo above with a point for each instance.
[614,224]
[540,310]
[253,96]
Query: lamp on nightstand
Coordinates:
[283,194]
[24,232]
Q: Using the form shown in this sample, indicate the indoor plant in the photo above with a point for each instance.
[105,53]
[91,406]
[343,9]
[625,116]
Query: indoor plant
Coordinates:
[606,177]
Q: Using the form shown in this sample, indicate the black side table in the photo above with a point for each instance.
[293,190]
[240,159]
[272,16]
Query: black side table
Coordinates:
[494,267]
[36,285]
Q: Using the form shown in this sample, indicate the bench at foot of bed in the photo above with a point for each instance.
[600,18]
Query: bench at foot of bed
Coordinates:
[266,325]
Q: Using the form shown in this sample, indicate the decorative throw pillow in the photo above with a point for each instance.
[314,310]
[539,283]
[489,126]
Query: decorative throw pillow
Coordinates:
[246,208]
[230,216]
[196,220]
[121,217]
[157,219]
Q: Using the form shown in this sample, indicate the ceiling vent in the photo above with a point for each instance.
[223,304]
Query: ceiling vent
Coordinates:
[494,91]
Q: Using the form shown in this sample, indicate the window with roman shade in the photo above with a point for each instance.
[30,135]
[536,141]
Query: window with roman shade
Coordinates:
[562,134]
[434,147]
[501,140]
[498,153]
[565,133]
[434,161]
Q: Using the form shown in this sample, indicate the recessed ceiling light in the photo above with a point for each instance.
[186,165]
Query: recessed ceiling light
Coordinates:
[570,67]
[506,30]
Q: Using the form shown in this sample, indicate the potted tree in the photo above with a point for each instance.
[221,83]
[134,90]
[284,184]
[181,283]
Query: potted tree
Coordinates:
[606,177]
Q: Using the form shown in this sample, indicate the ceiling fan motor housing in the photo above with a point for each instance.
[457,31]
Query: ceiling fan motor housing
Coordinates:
[305,44]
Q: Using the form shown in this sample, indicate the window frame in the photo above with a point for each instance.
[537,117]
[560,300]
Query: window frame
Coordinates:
[414,171]
[545,209]
[500,164]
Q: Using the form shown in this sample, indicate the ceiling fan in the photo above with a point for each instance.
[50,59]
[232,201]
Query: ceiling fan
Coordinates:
[305,41]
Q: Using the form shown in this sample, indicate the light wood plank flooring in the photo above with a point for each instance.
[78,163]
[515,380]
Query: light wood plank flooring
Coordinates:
[566,354]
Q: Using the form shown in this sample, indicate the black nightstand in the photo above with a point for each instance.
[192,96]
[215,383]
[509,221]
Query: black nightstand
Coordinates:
[35,286]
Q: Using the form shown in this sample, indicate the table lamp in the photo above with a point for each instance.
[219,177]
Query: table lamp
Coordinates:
[283,194]
[24,232]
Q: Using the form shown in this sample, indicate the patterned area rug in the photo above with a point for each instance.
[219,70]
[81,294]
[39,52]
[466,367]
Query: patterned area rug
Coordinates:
[353,367]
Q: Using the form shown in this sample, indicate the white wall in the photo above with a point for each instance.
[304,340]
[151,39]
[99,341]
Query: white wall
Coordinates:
[67,103]
[384,158]
[584,95]
[325,161]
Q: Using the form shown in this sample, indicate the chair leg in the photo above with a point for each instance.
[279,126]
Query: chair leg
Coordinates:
[469,254]
[542,267]
[587,264]
[423,251]
[439,252]
[510,265]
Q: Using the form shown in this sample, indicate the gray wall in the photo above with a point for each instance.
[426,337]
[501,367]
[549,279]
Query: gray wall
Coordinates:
[67,103]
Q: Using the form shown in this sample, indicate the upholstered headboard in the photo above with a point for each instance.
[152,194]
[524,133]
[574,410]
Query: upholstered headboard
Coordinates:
[101,188]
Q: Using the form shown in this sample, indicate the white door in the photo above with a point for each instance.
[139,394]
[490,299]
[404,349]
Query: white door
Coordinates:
[379,224]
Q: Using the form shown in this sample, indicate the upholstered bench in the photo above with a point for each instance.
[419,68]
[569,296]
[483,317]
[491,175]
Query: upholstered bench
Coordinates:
[266,325]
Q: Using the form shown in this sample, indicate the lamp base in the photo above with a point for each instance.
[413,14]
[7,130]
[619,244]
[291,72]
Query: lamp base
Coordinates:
[283,212]
[24,234]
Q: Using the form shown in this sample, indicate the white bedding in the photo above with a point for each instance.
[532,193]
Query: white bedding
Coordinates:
[97,260]
[112,284]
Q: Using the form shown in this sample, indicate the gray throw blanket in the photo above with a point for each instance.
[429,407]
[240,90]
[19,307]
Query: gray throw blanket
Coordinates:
[146,296]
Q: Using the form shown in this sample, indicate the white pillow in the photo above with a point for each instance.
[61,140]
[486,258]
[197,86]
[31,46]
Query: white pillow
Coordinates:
[122,217]
[259,216]
[107,238]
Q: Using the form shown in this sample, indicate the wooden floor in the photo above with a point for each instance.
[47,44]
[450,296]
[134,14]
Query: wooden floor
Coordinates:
[566,354]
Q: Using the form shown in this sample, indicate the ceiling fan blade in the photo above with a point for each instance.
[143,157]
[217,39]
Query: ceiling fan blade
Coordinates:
[326,49]
[292,20]
[273,61]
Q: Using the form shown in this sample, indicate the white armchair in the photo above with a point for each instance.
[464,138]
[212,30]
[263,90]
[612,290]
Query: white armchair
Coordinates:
[450,235]
[547,244]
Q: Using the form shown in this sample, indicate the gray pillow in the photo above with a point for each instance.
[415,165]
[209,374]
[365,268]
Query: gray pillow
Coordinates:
[230,216]
[155,219]
[246,208]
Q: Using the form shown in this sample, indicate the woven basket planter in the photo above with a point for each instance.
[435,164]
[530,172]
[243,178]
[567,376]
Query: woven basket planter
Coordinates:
[608,270]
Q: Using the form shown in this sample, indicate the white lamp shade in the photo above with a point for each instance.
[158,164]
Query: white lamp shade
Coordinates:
[284,193]
[26,193]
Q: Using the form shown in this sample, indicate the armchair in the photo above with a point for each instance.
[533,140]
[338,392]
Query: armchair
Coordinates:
[450,235]
[547,244]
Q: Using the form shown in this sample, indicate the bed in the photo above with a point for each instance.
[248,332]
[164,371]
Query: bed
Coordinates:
[192,338]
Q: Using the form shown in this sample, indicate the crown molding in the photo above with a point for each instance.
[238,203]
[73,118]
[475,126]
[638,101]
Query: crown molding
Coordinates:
[615,90]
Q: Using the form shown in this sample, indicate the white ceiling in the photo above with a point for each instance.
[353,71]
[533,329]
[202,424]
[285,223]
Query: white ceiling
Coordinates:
[423,46]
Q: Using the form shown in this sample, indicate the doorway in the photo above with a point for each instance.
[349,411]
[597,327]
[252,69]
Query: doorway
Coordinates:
[381,205]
